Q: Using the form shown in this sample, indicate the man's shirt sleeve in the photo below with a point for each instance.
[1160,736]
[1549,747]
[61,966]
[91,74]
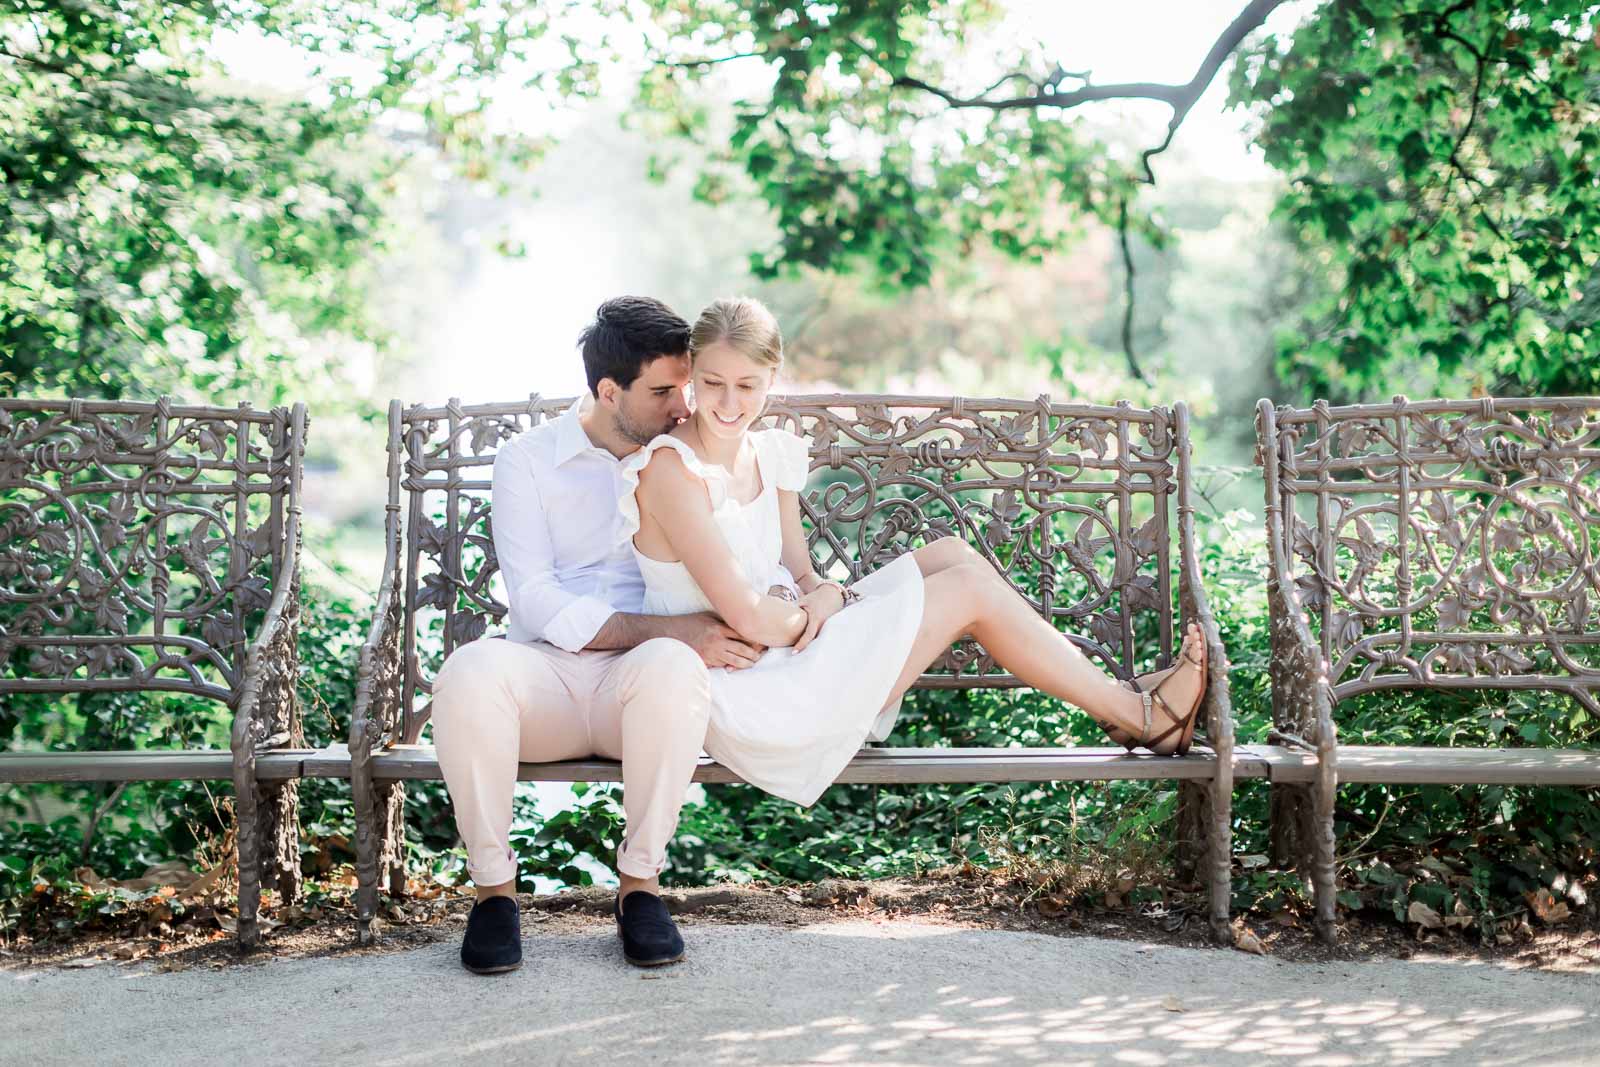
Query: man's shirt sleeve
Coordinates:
[528,562]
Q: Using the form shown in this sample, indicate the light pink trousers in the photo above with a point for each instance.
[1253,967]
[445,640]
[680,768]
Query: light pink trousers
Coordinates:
[496,703]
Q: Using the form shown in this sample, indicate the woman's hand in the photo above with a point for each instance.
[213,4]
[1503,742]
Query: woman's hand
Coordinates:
[821,604]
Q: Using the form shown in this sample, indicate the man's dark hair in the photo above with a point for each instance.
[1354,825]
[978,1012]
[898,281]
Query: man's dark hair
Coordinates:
[627,333]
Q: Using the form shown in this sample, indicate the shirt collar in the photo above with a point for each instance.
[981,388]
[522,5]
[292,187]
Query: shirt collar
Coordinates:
[570,437]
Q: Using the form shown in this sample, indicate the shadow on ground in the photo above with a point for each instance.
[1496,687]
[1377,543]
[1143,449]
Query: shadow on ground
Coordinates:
[860,992]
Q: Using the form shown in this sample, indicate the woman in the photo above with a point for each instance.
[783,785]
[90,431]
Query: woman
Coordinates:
[712,509]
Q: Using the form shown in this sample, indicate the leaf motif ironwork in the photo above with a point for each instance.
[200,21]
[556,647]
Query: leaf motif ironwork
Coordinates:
[1448,542]
[138,542]
[1070,502]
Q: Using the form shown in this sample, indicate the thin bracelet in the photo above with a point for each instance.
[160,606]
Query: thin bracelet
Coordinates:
[848,595]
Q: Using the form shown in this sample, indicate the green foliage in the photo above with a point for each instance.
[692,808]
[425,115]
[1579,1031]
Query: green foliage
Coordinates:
[1442,187]
[42,826]
[162,230]
[863,169]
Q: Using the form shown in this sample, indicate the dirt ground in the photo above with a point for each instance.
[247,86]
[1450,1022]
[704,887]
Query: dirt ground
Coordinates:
[972,900]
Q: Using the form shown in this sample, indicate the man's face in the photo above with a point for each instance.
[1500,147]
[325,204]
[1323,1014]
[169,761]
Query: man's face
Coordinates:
[654,403]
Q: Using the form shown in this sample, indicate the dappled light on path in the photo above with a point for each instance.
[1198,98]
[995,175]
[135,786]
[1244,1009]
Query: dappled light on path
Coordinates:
[845,993]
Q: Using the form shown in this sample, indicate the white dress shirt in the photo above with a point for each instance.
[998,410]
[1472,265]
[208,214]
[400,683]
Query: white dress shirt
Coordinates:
[565,567]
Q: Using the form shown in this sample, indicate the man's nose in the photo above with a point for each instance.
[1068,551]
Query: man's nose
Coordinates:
[680,407]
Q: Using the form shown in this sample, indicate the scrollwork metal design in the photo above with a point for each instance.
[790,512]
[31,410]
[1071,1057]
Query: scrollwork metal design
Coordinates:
[138,543]
[1449,544]
[1071,502]
[154,547]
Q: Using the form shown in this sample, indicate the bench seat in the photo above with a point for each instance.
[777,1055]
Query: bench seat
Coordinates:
[145,766]
[870,765]
[1431,766]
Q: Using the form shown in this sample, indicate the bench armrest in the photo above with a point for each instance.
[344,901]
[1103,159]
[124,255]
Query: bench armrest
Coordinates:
[1302,697]
[1217,716]
[379,713]
[267,712]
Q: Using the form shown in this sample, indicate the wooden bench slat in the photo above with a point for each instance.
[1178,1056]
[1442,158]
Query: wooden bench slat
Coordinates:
[1398,765]
[191,765]
[904,765]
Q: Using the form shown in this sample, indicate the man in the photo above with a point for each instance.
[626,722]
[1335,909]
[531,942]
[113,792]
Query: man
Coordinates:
[583,672]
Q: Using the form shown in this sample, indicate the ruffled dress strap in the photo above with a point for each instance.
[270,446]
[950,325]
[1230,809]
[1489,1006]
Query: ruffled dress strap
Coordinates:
[627,497]
[786,458]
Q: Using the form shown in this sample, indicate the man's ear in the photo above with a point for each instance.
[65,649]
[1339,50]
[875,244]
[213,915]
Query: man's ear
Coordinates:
[608,392]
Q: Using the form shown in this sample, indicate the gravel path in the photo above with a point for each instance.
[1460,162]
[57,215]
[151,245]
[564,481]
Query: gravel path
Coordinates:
[887,994]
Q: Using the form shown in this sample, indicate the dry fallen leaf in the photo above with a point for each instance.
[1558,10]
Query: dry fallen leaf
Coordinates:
[1546,906]
[1245,939]
[1423,916]
[1050,907]
[1171,1004]
[84,961]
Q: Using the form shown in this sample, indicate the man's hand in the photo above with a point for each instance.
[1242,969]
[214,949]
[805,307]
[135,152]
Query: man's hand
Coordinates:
[717,643]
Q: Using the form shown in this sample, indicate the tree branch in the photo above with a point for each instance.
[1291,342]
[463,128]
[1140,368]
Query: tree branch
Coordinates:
[707,61]
[1127,292]
[1181,98]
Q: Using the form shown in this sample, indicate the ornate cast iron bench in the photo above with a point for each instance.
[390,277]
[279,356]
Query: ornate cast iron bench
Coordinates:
[1084,508]
[155,548]
[1431,545]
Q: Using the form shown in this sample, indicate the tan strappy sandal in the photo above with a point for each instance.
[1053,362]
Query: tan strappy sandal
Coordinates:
[1182,725]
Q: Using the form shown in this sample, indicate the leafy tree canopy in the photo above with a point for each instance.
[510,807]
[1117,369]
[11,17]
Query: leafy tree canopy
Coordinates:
[1441,165]
[162,230]
[160,226]
[1439,157]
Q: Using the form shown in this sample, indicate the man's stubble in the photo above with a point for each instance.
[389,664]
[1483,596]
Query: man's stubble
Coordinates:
[635,432]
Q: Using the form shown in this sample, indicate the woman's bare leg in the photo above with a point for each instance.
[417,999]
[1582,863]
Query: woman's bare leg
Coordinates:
[963,595]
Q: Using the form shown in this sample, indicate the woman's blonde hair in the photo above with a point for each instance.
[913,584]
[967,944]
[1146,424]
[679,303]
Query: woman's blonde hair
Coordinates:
[743,322]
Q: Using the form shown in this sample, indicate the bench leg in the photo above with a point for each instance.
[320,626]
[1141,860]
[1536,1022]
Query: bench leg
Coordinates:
[1193,827]
[1219,853]
[247,838]
[361,788]
[279,806]
[392,841]
[1323,793]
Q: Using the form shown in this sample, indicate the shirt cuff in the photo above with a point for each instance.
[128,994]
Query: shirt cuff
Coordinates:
[575,625]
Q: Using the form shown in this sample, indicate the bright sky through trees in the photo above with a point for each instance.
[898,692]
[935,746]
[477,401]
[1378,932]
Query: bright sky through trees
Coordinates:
[482,341]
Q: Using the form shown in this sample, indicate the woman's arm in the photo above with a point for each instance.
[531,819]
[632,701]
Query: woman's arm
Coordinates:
[676,499]
[822,600]
[796,554]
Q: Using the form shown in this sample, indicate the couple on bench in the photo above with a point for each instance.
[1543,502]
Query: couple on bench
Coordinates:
[663,602]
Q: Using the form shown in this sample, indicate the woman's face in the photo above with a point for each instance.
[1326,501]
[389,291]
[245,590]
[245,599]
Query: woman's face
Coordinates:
[730,389]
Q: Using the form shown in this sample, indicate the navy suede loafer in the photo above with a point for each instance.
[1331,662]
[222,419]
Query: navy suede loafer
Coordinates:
[649,936]
[493,943]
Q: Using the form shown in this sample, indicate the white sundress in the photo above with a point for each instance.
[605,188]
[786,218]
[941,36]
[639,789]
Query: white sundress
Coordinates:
[790,723]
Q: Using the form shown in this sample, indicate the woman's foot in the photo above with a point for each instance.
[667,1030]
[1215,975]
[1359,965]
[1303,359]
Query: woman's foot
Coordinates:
[1180,687]
[1140,683]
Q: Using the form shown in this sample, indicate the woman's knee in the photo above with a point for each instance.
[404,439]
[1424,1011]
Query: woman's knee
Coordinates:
[945,553]
[959,596]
